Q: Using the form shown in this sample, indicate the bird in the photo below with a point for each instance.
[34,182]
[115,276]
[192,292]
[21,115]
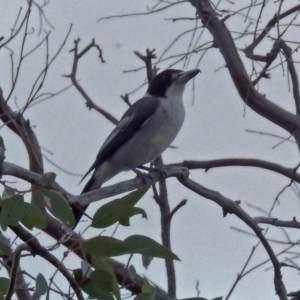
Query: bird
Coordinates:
[144,132]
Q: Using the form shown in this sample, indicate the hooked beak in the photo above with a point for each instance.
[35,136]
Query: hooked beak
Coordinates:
[186,76]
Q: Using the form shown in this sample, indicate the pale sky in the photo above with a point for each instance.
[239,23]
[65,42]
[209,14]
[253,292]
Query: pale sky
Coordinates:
[216,120]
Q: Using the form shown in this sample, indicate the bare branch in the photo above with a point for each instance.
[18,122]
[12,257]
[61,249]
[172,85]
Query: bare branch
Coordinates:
[150,11]
[233,207]
[246,162]
[38,84]
[287,51]
[15,32]
[278,223]
[241,274]
[270,25]
[177,207]
[147,59]
[89,102]
[258,102]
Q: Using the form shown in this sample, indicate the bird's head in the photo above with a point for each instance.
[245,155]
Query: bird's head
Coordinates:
[170,82]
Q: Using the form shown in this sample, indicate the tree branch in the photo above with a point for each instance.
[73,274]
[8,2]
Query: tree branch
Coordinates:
[233,207]
[14,270]
[269,26]
[89,102]
[98,194]
[22,128]
[240,162]
[36,248]
[287,51]
[276,222]
[256,101]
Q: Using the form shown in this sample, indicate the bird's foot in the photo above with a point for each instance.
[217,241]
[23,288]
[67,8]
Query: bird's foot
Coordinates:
[145,177]
[161,170]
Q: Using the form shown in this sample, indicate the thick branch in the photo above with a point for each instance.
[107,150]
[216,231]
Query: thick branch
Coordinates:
[258,102]
[101,193]
[22,128]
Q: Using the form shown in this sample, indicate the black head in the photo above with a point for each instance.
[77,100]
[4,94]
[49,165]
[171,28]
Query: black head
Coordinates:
[162,81]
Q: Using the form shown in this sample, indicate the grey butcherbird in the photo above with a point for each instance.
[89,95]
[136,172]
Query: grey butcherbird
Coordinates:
[144,132]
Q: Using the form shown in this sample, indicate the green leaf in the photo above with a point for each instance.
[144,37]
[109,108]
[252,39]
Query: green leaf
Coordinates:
[147,287]
[91,286]
[78,275]
[8,193]
[4,283]
[145,296]
[103,279]
[115,211]
[126,214]
[58,206]
[148,296]
[11,212]
[41,285]
[103,265]
[93,290]
[218,298]
[47,179]
[195,298]
[132,272]
[2,295]
[146,260]
[4,249]
[146,246]
[105,246]
[32,217]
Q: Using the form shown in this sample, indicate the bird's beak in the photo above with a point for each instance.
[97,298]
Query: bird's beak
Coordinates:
[186,76]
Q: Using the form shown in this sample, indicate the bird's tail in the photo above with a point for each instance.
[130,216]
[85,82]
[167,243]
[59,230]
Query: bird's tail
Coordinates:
[78,210]
[100,175]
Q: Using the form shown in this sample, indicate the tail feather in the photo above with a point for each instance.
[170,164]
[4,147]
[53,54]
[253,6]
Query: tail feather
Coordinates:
[100,175]
[78,210]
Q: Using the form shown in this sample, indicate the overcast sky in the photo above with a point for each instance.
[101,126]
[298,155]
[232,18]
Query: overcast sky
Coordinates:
[216,120]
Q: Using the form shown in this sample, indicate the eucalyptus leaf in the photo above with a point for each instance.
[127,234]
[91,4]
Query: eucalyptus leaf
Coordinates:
[11,212]
[41,285]
[119,210]
[146,246]
[58,206]
[33,217]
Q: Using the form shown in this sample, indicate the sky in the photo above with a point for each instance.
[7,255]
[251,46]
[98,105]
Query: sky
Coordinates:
[209,247]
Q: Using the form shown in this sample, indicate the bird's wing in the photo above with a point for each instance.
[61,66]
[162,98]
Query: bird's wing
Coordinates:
[130,123]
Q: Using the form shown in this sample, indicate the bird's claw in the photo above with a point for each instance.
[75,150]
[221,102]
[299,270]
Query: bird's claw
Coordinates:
[145,177]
